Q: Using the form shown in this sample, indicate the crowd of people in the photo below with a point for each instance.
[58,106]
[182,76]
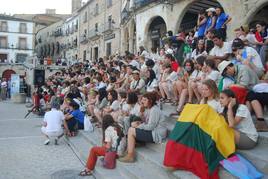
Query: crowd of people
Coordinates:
[124,94]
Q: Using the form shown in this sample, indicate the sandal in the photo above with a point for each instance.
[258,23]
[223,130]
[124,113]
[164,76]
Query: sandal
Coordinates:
[177,113]
[168,101]
[85,173]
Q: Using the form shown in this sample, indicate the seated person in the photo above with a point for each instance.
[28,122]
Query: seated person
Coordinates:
[111,134]
[247,56]
[137,84]
[101,102]
[210,95]
[74,119]
[52,124]
[221,50]
[149,131]
[239,118]
[113,104]
[257,98]
[242,76]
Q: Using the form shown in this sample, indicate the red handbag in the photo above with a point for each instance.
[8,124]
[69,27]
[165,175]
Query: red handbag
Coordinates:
[109,160]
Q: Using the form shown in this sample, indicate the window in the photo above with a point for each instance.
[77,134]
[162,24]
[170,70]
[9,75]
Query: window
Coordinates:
[110,22]
[3,42]
[84,55]
[76,26]
[85,33]
[21,57]
[96,27]
[3,26]
[108,49]
[23,28]
[96,12]
[22,43]
[85,17]
[109,3]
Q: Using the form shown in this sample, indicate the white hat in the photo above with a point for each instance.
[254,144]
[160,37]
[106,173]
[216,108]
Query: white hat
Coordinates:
[223,65]
[212,9]
[169,51]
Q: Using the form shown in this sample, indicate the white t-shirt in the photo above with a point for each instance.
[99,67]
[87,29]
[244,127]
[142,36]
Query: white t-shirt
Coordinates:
[137,84]
[220,52]
[135,64]
[54,120]
[214,75]
[246,124]
[135,110]
[124,106]
[196,74]
[215,105]
[255,57]
[173,76]
[4,84]
[194,54]
[152,86]
[115,105]
[261,88]
[251,38]
[111,136]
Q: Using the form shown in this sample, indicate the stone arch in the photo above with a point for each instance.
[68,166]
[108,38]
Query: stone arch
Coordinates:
[187,5]
[254,10]
[160,23]
[7,73]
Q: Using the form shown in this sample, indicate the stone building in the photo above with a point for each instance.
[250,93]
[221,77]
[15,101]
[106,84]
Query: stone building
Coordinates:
[103,33]
[145,21]
[71,38]
[50,41]
[16,39]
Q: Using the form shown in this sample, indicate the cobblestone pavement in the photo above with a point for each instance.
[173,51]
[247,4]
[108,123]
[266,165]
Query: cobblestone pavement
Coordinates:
[22,153]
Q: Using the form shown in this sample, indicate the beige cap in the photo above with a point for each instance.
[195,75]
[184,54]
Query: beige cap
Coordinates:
[212,9]
[223,65]
[136,72]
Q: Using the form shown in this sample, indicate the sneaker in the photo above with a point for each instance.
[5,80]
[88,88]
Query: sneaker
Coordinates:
[56,142]
[46,142]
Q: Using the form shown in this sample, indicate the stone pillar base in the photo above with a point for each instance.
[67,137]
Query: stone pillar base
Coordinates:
[18,98]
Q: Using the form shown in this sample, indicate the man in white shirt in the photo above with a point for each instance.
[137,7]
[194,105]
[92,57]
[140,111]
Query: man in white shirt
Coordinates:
[52,124]
[137,84]
[221,51]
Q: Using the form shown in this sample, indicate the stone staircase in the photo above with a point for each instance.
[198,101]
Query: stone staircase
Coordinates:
[150,157]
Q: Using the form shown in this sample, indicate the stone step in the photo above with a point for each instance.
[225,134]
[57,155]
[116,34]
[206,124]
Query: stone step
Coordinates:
[258,156]
[82,148]
[152,158]
[123,170]
[134,168]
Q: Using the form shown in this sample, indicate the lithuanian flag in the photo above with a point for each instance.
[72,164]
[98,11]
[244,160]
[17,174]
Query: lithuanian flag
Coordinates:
[199,141]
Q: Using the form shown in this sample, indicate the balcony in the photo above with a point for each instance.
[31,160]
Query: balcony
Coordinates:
[75,43]
[108,27]
[14,47]
[94,33]
[83,39]
[58,33]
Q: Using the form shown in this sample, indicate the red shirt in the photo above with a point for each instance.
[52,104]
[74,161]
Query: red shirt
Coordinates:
[174,66]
